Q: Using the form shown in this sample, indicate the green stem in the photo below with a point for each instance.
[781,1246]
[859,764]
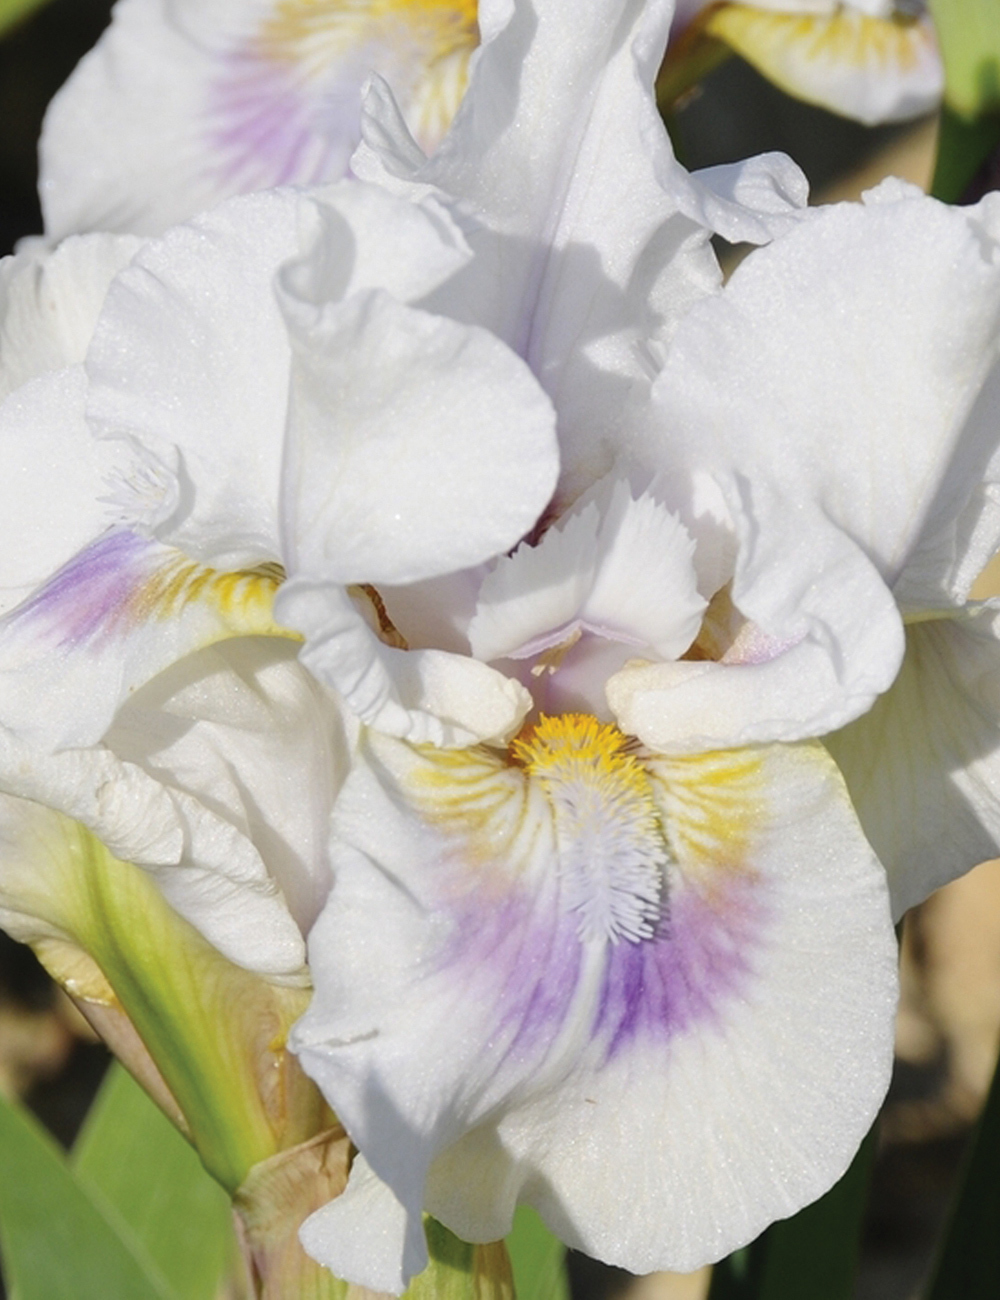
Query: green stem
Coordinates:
[211,1028]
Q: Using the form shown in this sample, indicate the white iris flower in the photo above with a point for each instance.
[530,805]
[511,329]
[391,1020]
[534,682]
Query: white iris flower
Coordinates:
[585,552]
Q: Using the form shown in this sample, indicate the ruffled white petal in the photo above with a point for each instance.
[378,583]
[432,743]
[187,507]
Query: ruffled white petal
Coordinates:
[585,256]
[184,103]
[246,731]
[645,585]
[416,445]
[205,868]
[616,567]
[923,766]
[753,1045]
[538,590]
[190,360]
[843,434]
[356,237]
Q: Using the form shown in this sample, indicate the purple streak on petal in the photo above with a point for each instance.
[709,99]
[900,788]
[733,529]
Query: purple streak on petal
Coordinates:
[701,958]
[529,955]
[269,128]
[91,594]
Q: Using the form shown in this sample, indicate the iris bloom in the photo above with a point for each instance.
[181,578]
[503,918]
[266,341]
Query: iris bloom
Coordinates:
[873,60]
[570,969]
[605,934]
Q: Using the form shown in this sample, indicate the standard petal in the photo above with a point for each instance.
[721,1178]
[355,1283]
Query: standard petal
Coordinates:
[185,102]
[358,237]
[113,617]
[416,445]
[195,316]
[923,766]
[585,256]
[700,1049]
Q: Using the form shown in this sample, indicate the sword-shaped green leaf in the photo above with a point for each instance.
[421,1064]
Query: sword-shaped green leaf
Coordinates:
[131,1153]
[60,1239]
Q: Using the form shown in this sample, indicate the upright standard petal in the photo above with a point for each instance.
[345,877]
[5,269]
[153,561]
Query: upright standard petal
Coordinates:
[608,966]
[586,253]
[186,102]
[416,446]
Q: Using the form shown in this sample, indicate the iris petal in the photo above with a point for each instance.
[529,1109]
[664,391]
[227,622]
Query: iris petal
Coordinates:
[587,1053]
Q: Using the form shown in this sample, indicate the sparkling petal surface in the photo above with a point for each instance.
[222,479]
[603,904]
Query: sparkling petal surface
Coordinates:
[585,256]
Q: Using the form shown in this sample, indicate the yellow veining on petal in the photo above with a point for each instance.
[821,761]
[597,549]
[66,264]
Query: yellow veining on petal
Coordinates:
[579,799]
[844,37]
[470,791]
[434,38]
[244,598]
[713,806]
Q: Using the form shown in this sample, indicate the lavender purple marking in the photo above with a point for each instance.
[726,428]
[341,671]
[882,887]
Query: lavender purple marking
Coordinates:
[529,950]
[90,594]
[271,131]
[700,958]
[530,953]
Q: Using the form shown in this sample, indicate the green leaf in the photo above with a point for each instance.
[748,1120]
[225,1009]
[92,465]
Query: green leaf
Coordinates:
[963,147]
[969,35]
[131,1153]
[60,1240]
[968,1266]
[12,11]
[814,1254]
[538,1259]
